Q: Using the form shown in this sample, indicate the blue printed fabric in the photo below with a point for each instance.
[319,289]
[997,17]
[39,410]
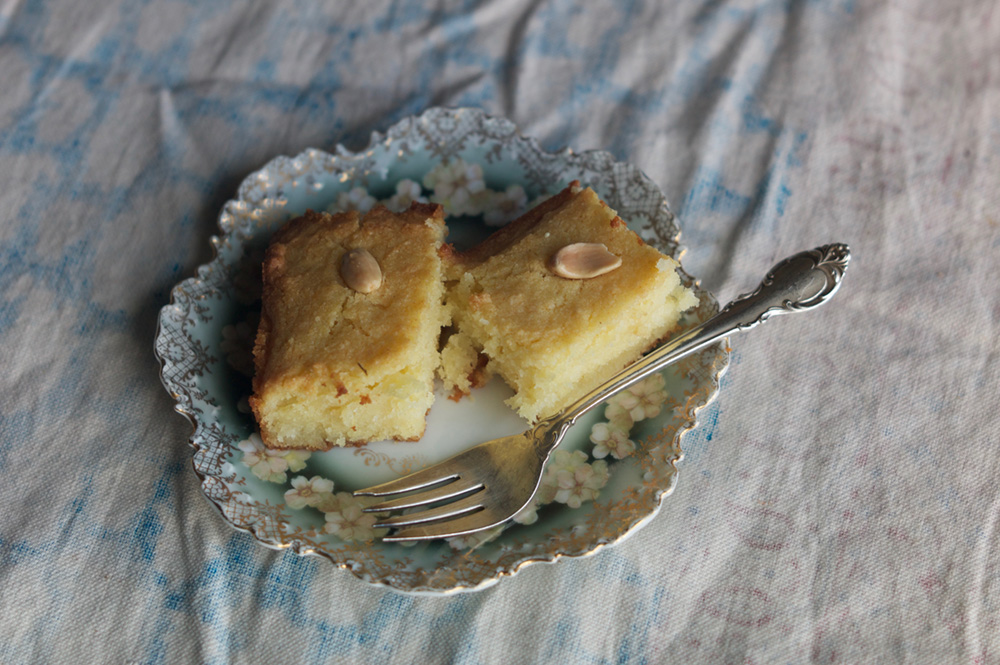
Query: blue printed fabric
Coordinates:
[839,501]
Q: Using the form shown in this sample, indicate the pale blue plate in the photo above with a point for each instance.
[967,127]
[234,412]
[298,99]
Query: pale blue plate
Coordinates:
[204,338]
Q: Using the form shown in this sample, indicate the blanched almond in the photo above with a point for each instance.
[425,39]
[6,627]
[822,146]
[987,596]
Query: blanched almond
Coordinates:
[583,260]
[361,271]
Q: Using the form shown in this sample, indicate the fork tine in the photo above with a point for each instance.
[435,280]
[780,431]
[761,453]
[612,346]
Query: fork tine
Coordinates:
[478,521]
[432,475]
[452,490]
[464,506]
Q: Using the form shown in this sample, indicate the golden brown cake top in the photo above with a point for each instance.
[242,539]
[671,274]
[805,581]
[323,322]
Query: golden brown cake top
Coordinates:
[313,325]
[513,288]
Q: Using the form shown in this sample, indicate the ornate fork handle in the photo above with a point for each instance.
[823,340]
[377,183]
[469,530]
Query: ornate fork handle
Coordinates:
[799,283]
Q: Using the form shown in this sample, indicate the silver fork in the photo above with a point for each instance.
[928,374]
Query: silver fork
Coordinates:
[490,483]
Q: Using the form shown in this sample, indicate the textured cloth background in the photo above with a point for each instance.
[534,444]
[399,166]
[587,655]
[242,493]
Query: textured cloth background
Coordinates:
[839,502]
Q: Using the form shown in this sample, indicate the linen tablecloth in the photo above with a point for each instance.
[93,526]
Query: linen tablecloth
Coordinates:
[838,502]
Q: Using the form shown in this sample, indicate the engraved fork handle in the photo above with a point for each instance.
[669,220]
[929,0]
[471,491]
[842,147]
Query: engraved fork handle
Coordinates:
[799,283]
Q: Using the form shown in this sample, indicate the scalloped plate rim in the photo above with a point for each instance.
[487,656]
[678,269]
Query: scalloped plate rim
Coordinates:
[377,138]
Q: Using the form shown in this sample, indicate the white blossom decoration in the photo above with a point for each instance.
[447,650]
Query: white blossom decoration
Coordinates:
[308,491]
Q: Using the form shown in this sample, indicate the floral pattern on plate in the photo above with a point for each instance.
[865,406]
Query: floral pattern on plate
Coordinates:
[605,481]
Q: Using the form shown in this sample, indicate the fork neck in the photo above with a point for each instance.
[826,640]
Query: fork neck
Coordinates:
[682,345]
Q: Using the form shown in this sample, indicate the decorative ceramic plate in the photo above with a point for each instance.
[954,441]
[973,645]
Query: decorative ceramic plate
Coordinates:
[606,480]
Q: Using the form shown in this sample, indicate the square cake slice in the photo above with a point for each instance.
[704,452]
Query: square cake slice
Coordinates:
[549,337]
[340,359]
